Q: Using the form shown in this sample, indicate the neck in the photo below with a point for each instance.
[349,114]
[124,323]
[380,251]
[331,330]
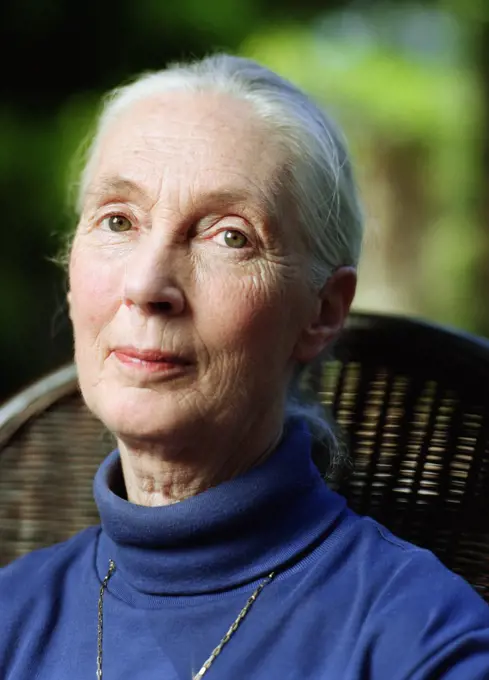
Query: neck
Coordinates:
[168,470]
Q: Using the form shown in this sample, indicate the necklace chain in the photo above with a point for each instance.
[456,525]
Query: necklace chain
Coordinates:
[233,627]
[100,626]
[208,663]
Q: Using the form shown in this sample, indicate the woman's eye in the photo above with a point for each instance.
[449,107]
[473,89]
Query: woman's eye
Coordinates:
[117,223]
[232,238]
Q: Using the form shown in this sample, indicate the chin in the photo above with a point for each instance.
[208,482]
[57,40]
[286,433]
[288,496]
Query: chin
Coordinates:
[141,414]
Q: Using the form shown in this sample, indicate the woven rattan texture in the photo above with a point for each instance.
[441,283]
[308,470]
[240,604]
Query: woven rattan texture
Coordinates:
[46,474]
[421,461]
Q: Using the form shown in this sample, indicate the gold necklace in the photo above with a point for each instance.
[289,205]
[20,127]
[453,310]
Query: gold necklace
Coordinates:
[208,663]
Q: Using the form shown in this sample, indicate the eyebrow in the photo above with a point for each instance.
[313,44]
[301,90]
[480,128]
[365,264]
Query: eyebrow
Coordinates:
[257,202]
[116,185]
[109,186]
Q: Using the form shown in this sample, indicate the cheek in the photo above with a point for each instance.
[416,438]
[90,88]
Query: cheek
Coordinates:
[242,312]
[94,294]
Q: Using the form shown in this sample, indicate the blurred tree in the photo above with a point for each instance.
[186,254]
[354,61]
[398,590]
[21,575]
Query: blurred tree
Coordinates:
[397,81]
[473,15]
[482,283]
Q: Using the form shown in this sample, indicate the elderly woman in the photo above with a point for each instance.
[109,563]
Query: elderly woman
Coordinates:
[214,257]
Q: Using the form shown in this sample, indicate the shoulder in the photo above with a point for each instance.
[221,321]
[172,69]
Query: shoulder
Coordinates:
[393,570]
[414,574]
[27,573]
[370,547]
[31,589]
[426,621]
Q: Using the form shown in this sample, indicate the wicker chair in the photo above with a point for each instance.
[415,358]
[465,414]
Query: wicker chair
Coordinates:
[412,399]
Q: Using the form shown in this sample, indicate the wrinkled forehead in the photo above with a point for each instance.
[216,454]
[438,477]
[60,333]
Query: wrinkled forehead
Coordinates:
[190,142]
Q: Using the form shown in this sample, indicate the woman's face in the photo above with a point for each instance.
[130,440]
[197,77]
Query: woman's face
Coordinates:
[188,299]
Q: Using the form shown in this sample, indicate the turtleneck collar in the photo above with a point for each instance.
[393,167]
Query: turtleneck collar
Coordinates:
[224,537]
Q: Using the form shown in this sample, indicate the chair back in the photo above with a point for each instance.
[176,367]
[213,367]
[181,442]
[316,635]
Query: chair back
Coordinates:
[50,449]
[413,402]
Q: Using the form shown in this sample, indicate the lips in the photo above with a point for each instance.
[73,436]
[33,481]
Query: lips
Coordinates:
[151,355]
[150,360]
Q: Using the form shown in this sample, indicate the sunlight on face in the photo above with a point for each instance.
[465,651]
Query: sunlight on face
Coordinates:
[187,297]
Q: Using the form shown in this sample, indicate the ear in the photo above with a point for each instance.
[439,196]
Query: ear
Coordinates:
[333,304]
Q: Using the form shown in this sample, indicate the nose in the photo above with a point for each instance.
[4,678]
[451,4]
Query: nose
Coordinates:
[149,281]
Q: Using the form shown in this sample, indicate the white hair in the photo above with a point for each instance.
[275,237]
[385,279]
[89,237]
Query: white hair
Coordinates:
[318,179]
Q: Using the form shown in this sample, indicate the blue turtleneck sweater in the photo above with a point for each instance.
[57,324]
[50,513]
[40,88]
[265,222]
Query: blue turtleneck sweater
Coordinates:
[349,601]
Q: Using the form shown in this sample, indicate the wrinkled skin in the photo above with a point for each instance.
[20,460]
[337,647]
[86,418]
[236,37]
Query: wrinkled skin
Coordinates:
[198,267]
